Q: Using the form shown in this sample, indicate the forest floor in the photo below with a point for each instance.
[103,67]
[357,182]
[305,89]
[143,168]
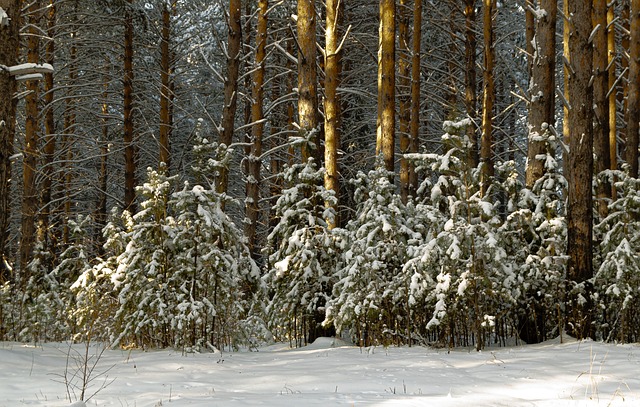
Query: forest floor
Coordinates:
[573,373]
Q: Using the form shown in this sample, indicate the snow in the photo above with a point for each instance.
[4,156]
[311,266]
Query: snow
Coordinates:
[329,372]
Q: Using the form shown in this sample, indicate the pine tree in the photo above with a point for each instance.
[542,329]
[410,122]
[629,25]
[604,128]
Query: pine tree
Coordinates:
[618,276]
[372,295]
[301,253]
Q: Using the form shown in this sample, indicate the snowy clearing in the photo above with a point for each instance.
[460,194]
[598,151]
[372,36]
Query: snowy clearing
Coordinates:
[551,374]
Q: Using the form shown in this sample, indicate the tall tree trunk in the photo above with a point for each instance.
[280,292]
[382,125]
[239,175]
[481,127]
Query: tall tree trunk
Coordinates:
[542,88]
[601,102]
[257,130]
[579,203]
[307,79]
[633,100]
[404,97]
[415,91]
[128,128]
[50,136]
[566,28]
[234,42]
[470,97]
[332,71]
[166,121]
[488,98]
[29,162]
[385,141]
[530,30]
[613,122]
[9,45]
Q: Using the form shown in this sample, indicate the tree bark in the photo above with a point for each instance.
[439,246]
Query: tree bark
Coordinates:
[332,71]
[613,122]
[488,98]
[542,90]
[307,79]
[50,136]
[234,42]
[385,141]
[9,45]
[29,161]
[166,122]
[257,130]
[580,166]
[601,103]
[128,113]
[633,99]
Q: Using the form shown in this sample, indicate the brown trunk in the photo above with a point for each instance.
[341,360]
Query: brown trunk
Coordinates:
[488,98]
[633,99]
[530,30]
[579,202]
[257,130]
[50,136]
[601,102]
[565,70]
[470,97]
[542,106]
[234,42]
[307,79]
[165,87]
[385,141]
[332,70]
[9,44]
[404,97]
[128,127]
[29,162]
[415,91]
[611,47]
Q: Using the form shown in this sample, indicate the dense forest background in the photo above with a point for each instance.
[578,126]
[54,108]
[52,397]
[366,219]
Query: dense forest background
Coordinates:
[219,173]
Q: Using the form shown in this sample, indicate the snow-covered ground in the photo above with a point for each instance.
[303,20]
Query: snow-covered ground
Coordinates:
[551,374]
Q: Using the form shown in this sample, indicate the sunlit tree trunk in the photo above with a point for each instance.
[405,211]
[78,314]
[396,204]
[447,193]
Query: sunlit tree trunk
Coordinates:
[257,130]
[234,42]
[9,44]
[470,97]
[601,102]
[385,141]
[633,99]
[31,134]
[307,79]
[542,89]
[332,71]
[580,166]
[530,24]
[613,122]
[128,113]
[488,98]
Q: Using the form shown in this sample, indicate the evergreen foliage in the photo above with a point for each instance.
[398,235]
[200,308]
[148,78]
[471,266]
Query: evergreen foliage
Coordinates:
[618,277]
[302,254]
[371,296]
